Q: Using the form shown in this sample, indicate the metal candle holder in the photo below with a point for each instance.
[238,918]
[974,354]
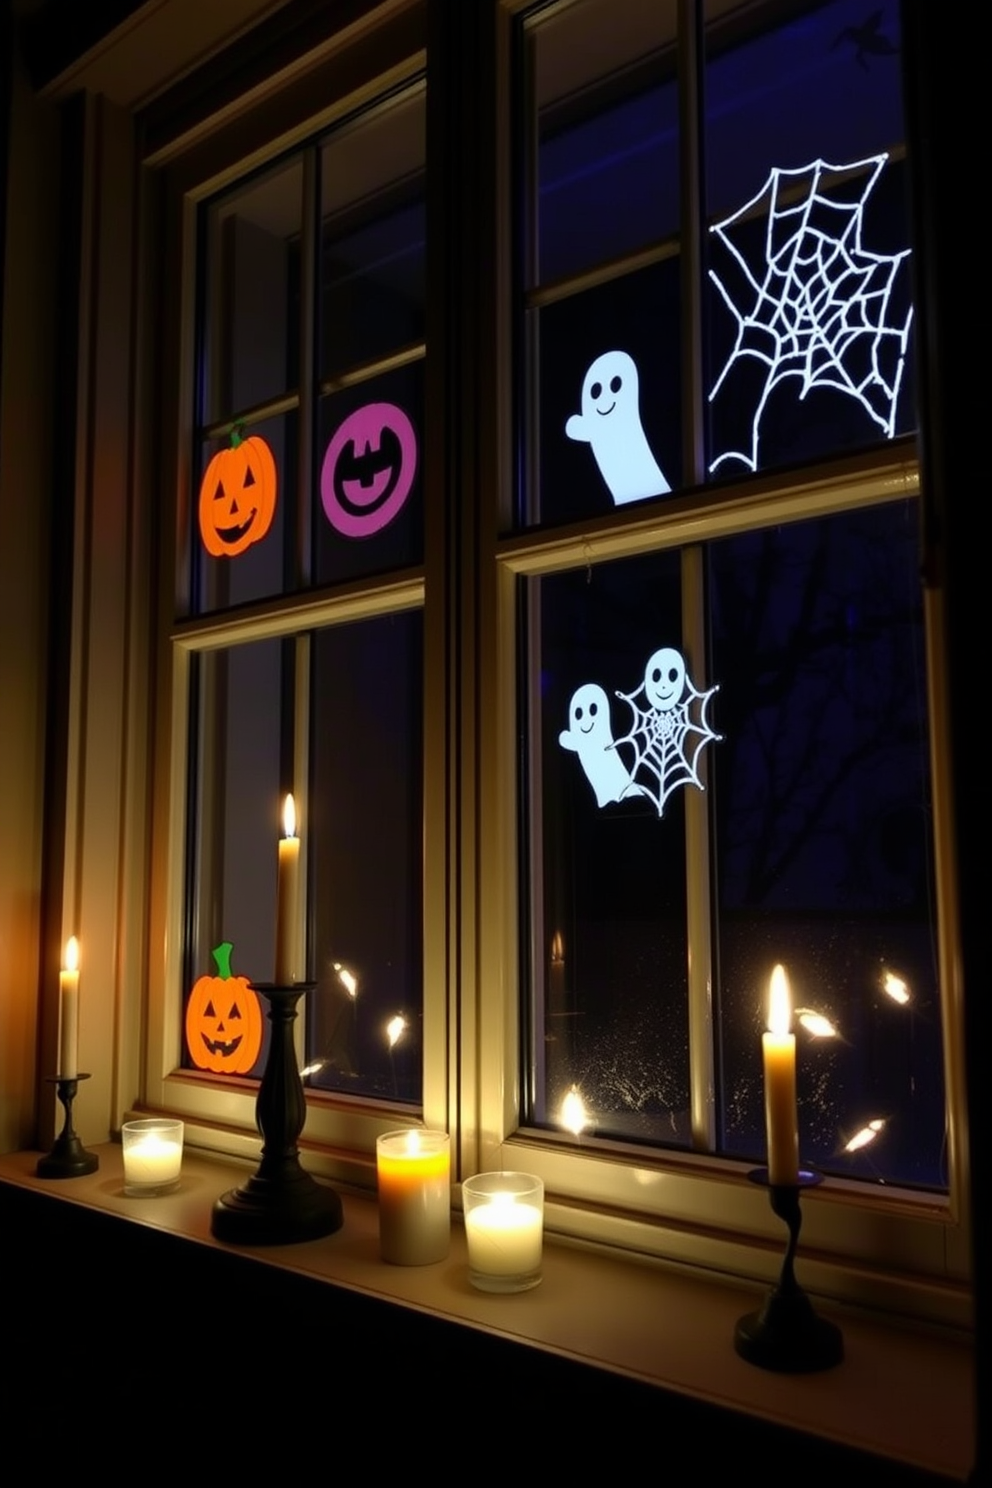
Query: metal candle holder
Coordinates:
[280,1202]
[68,1157]
[786,1334]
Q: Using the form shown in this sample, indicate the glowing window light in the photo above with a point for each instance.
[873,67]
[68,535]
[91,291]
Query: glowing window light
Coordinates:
[815,1024]
[312,1069]
[348,980]
[896,987]
[574,1116]
[395,1029]
[866,1135]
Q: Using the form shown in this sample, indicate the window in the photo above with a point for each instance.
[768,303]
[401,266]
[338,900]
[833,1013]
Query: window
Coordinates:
[298,651]
[711,574]
[411,665]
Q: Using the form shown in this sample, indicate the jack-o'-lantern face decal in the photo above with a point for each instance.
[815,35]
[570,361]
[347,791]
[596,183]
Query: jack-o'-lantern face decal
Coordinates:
[237,496]
[368,470]
[223,1020]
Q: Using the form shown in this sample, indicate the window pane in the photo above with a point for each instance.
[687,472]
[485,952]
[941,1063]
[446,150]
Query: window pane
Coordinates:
[234,830]
[600,183]
[372,236]
[610,1011]
[605,133]
[250,324]
[809,303]
[824,852]
[366,858]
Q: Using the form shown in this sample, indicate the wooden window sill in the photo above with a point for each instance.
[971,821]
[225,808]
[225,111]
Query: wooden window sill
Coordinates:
[899,1394]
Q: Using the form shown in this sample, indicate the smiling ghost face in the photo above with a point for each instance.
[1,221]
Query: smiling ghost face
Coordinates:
[589,714]
[610,386]
[664,679]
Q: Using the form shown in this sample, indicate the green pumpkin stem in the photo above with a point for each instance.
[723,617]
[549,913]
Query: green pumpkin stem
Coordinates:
[222,955]
[237,433]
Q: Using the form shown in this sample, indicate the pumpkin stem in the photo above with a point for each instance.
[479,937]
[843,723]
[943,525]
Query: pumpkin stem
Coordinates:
[237,433]
[222,955]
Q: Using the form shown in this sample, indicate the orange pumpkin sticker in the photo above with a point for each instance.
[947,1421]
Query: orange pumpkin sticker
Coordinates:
[223,1020]
[238,496]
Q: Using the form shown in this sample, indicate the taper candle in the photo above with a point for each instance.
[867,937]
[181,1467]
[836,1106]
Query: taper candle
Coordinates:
[778,1047]
[69,1011]
[288,928]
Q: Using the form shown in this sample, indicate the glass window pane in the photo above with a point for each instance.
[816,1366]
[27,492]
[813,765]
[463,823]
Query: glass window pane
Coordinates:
[372,236]
[605,133]
[235,827]
[610,1010]
[366,857]
[251,309]
[809,301]
[823,845]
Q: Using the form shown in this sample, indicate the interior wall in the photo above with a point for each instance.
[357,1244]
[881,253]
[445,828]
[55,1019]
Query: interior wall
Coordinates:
[26,435]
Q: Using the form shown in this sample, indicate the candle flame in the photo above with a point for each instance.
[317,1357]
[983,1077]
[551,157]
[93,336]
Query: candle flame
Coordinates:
[895,987]
[395,1029]
[557,947]
[574,1117]
[413,1143]
[815,1024]
[72,954]
[779,1009]
[289,817]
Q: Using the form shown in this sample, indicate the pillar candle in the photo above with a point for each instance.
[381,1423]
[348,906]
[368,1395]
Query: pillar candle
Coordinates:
[69,1011]
[414,1196]
[779,1053]
[288,927]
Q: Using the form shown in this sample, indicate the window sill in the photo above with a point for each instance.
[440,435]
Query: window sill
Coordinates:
[899,1394]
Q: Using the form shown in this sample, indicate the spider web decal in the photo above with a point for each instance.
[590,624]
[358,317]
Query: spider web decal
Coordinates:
[819,307]
[667,742]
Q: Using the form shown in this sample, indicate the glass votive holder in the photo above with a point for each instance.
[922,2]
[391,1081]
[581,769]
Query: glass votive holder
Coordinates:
[414,1174]
[153,1156]
[504,1227]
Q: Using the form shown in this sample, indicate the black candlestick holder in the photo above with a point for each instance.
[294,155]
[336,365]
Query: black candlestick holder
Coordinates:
[786,1334]
[68,1157]
[280,1202]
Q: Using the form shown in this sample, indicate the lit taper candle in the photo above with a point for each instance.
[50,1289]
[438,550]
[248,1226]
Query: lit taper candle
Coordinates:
[69,1011]
[778,1047]
[288,938]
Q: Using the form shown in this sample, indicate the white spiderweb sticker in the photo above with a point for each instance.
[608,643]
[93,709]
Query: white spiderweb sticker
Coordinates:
[668,731]
[819,307]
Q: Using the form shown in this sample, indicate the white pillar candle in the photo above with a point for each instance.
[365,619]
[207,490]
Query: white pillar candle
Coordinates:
[778,1048]
[288,967]
[69,1011]
[414,1173]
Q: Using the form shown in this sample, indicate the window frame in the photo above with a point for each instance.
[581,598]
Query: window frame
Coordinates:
[900,1252]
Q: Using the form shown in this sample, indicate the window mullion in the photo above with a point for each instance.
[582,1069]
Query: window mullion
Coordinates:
[697,807]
